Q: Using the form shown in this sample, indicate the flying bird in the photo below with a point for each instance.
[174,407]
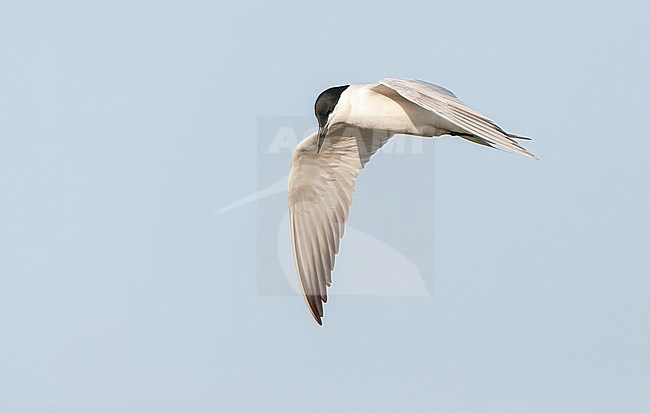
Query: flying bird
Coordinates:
[354,121]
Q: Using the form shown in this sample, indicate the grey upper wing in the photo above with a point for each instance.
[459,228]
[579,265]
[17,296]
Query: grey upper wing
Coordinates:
[320,192]
[445,104]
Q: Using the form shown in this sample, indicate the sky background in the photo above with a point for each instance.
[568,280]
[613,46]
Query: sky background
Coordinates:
[124,126]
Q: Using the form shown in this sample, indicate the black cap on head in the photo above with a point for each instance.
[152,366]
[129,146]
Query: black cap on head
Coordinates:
[326,102]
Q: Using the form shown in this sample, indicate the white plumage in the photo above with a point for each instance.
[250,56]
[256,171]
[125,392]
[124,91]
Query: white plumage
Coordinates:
[355,121]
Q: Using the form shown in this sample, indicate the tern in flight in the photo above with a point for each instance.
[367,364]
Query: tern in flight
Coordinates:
[354,121]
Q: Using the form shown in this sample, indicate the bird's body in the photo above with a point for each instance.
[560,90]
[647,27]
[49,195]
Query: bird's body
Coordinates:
[377,107]
[354,122]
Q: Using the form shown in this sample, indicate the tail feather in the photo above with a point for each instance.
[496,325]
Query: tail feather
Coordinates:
[523,138]
[477,139]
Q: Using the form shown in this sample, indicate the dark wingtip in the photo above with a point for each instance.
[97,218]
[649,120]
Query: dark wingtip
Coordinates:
[315,305]
[317,317]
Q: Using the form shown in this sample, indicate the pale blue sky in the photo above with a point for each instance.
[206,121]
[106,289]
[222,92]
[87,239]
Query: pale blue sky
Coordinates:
[124,125]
